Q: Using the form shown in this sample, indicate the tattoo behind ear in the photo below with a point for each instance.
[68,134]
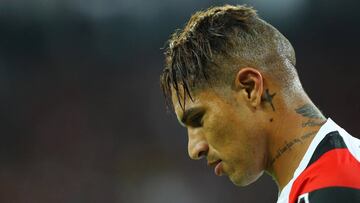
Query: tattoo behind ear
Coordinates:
[308,111]
[268,98]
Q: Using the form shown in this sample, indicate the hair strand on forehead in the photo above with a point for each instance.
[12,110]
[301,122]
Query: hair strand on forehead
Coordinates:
[195,55]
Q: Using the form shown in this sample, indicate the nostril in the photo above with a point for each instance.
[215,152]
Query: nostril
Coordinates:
[202,154]
[198,150]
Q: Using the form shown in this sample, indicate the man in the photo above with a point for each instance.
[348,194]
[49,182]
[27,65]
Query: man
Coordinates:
[231,79]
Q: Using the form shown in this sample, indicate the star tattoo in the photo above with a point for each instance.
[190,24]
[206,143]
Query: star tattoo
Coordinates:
[268,98]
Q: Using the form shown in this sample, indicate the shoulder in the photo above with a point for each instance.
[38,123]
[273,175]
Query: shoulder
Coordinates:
[331,195]
[333,168]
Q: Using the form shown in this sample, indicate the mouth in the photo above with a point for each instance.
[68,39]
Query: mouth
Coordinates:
[218,167]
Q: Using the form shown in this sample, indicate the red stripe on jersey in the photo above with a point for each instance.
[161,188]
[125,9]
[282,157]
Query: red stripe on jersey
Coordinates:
[336,167]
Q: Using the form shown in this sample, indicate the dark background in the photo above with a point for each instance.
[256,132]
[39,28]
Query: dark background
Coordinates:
[82,115]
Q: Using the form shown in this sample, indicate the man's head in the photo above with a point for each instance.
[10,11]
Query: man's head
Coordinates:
[220,74]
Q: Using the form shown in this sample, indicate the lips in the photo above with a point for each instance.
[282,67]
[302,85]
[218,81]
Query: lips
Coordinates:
[218,167]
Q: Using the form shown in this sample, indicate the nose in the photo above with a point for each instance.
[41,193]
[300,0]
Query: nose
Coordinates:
[197,146]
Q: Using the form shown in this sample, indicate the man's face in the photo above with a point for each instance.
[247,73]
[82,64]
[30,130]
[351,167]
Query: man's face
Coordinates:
[227,131]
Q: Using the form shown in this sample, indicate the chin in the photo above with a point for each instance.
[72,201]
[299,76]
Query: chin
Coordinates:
[244,180]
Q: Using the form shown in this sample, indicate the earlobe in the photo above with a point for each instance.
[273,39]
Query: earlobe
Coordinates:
[249,81]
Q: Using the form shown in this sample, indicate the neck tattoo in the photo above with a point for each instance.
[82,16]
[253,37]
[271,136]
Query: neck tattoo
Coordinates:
[268,98]
[315,119]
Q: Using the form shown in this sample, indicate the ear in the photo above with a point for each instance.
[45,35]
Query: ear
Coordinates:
[249,83]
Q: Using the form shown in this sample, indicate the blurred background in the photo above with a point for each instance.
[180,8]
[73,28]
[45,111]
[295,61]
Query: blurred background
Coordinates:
[82,115]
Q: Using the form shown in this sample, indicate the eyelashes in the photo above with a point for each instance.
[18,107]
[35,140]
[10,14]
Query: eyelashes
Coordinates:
[193,117]
[197,120]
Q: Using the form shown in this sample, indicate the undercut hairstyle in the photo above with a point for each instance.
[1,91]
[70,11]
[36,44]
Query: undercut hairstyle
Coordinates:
[215,44]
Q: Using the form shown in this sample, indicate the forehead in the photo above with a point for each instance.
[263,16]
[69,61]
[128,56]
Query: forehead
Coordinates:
[200,99]
[180,100]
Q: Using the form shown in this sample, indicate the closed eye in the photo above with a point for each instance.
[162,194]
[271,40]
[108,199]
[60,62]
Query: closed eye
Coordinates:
[192,117]
[196,120]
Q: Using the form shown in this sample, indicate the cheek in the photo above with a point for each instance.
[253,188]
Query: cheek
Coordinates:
[227,137]
[220,132]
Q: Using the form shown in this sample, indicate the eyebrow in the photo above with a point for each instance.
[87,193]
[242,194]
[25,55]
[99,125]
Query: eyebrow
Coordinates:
[188,113]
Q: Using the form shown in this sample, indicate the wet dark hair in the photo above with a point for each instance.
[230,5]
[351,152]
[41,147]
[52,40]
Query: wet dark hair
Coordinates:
[195,54]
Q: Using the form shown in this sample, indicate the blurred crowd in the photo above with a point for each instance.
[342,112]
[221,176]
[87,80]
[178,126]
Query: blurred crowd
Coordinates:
[83,118]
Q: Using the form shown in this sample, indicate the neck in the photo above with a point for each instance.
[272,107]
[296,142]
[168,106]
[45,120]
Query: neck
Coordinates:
[295,127]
